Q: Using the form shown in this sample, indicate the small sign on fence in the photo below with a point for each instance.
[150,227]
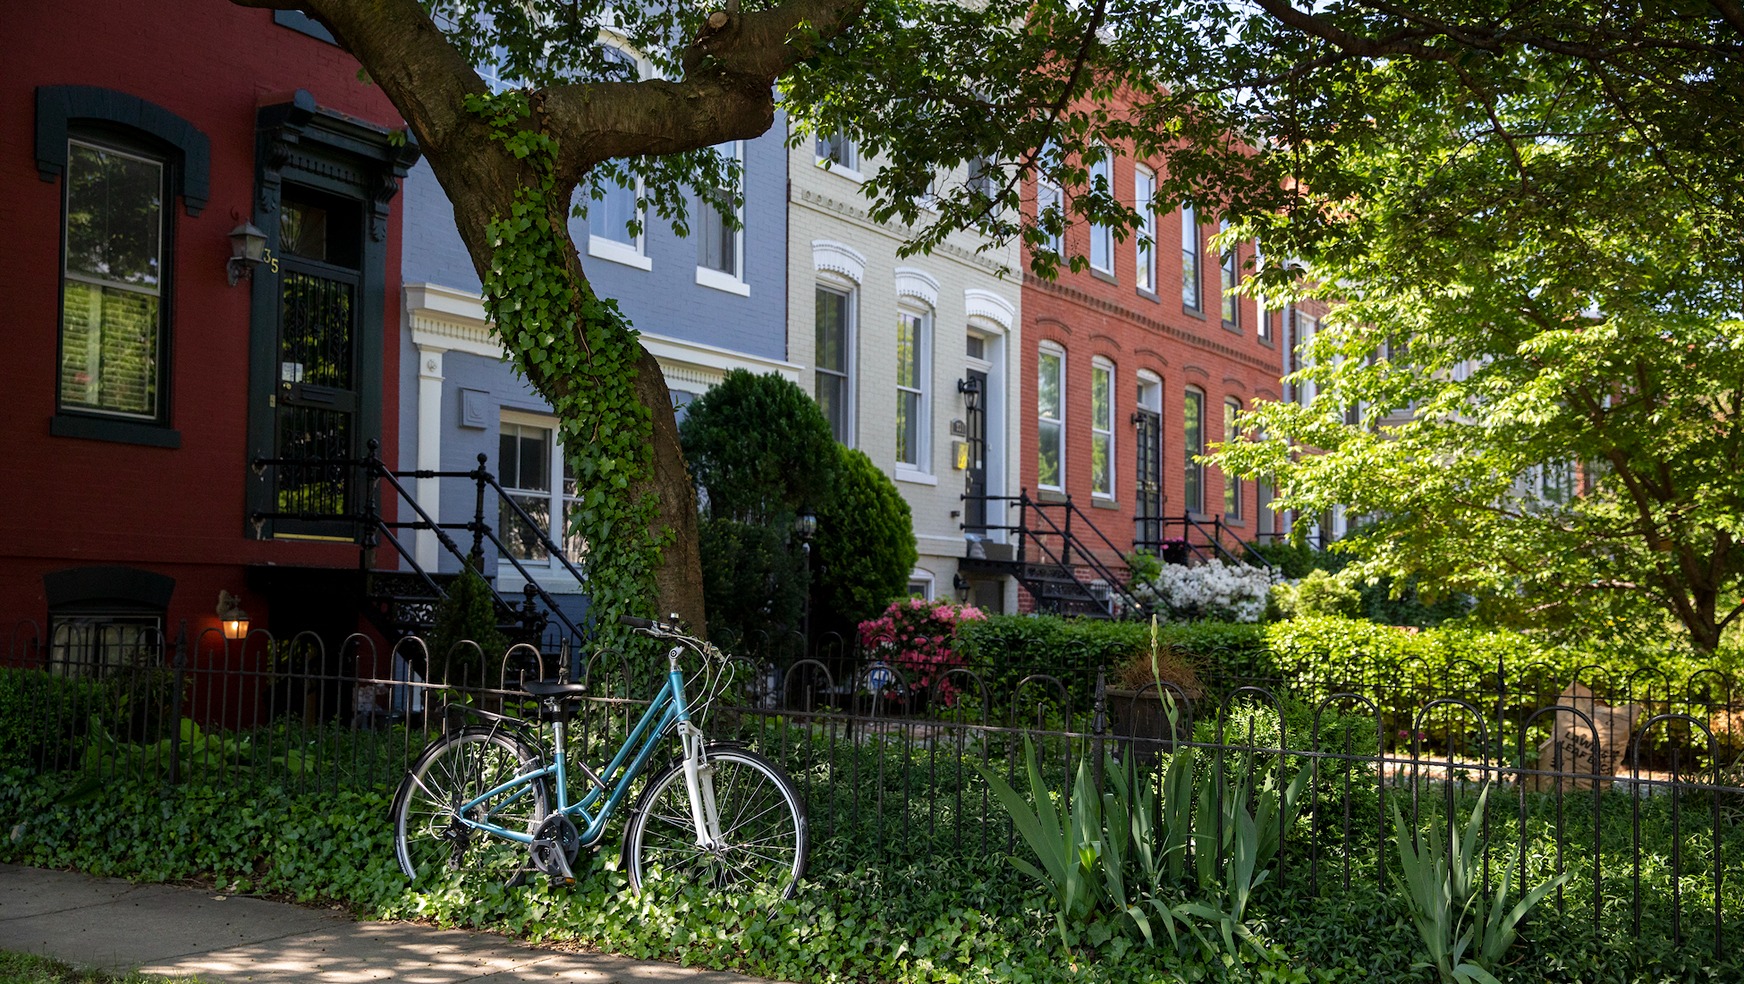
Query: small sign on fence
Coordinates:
[1582,750]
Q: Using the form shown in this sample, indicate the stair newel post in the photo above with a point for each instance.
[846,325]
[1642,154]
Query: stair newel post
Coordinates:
[1022,525]
[1066,540]
[368,540]
[529,613]
[479,477]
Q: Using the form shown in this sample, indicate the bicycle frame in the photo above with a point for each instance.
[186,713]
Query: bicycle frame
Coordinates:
[594,810]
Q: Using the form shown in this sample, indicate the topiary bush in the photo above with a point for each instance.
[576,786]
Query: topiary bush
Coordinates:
[760,447]
[761,451]
[865,545]
[753,580]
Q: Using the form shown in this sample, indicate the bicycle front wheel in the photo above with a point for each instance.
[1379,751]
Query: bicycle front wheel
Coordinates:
[762,828]
[436,799]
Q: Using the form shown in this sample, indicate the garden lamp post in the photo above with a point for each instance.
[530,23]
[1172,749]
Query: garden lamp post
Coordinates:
[805,527]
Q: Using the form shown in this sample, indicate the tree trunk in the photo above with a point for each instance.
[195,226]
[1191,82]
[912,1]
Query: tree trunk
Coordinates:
[679,579]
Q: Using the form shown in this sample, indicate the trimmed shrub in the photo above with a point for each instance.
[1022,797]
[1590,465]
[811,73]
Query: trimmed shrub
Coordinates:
[760,447]
[753,580]
[865,544]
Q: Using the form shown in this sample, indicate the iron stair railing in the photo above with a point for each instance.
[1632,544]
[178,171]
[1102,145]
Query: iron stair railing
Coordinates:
[374,529]
[1212,542]
[1037,532]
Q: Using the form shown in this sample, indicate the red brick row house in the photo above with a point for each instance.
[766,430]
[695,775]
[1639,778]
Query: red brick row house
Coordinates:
[144,369]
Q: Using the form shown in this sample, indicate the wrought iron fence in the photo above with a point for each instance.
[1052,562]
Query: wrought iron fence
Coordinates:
[1632,793]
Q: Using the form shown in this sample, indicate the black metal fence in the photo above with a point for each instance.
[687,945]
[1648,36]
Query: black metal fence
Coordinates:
[1631,793]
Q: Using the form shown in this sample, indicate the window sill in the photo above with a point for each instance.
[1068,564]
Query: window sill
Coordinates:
[554,580]
[1149,295]
[915,475]
[1266,340]
[1235,521]
[1232,327]
[724,282]
[1102,502]
[1051,495]
[1193,312]
[1106,276]
[852,174]
[616,252]
[118,431]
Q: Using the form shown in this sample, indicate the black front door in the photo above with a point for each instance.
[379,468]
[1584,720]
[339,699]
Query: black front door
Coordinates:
[1149,491]
[316,403]
[975,479]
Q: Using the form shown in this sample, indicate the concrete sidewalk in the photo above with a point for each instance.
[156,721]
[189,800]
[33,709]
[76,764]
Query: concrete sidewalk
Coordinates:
[165,929]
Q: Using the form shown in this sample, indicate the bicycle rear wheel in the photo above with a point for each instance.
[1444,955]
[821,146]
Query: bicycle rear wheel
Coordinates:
[762,829]
[429,835]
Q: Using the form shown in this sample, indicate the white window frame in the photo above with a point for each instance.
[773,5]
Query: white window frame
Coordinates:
[927,583]
[1192,275]
[1043,352]
[559,499]
[848,163]
[1263,314]
[850,332]
[733,282]
[1102,235]
[1049,196]
[604,245]
[1229,279]
[1305,328]
[1102,374]
[921,320]
[1144,193]
[1191,450]
[1231,483]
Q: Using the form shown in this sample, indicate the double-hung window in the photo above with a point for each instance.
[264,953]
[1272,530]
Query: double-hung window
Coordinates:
[835,345]
[1101,233]
[1231,483]
[1231,280]
[1190,298]
[113,280]
[1192,446]
[835,150]
[720,235]
[1144,193]
[1051,418]
[912,345]
[1102,429]
[536,477]
[614,213]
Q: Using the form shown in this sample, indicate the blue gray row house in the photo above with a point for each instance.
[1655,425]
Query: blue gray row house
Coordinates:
[705,304]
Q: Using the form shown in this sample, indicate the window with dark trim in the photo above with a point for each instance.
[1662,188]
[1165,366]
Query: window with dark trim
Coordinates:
[113,279]
[121,163]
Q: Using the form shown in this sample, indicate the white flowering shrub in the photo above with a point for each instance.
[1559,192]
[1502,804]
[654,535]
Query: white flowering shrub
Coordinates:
[1214,590]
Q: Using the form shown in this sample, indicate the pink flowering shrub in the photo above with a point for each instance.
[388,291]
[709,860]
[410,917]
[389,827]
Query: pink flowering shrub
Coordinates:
[919,637]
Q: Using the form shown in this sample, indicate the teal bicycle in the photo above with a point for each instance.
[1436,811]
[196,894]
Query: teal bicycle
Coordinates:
[487,799]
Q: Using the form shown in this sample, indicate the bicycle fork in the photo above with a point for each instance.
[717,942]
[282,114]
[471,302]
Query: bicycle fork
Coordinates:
[699,783]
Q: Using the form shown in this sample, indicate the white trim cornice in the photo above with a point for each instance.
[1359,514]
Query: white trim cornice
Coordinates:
[917,283]
[451,320]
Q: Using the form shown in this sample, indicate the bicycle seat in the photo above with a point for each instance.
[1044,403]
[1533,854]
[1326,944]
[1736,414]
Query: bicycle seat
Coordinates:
[551,690]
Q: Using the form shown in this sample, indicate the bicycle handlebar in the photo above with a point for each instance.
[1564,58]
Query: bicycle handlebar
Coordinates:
[635,622]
